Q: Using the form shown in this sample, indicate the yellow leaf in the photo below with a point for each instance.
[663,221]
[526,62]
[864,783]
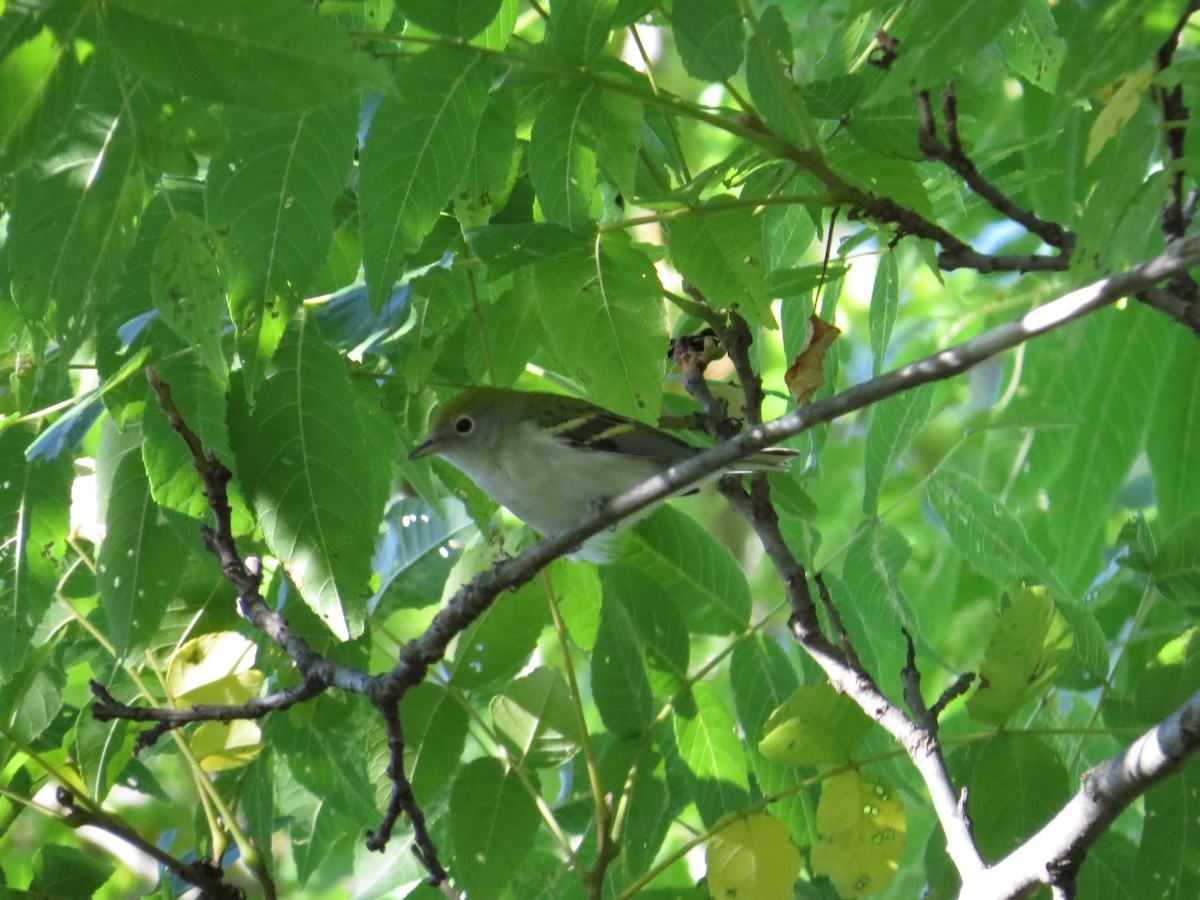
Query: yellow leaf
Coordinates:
[1023,653]
[861,824]
[218,746]
[214,668]
[814,726]
[752,859]
[1118,110]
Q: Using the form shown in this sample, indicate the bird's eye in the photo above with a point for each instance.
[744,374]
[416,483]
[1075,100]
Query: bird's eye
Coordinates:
[464,424]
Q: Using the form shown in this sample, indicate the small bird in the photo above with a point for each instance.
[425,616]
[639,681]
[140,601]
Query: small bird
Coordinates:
[552,459]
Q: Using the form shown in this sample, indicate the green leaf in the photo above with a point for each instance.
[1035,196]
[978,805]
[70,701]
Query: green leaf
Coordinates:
[611,293]
[188,287]
[1023,654]
[709,38]
[494,821]
[939,36]
[872,605]
[562,157]
[498,644]
[1103,41]
[316,490]
[762,680]
[752,857]
[678,553]
[1176,567]
[101,750]
[415,157]
[814,726]
[456,18]
[1017,784]
[270,55]
[619,682]
[34,518]
[435,732]
[658,620]
[71,227]
[709,745]
[1173,440]
[271,191]
[769,62]
[862,824]
[579,29]
[60,871]
[885,303]
[141,559]
[895,423]
[986,532]
[721,254]
[1112,424]
[35,78]
[535,719]
[1033,47]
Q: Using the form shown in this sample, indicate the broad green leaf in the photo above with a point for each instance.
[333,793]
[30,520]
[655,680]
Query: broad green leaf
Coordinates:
[872,605]
[316,490]
[1176,568]
[1111,427]
[762,679]
[649,813]
[415,156]
[814,726]
[498,644]
[862,824]
[535,719]
[985,531]
[752,857]
[488,182]
[610,293]
[677,552]
[456,18]
[1023,654]
[321,748]
[1103,41]
[1017,784]
[658,619]
[895,423]
[579,29]
[270,55]
[619,682]
[71,227]
[34,78]
[31,700]
[1169,678]
[141,558]
[505,248]
[885,303]
[562,157]
[60,871]
[720,253]
[188,287]
[769,61]
[34,507]
[709,37]
[101,750]
[416,550]
[578,592]
[709,744]
[494,821]
[1173,439]
[1033,48]
[435,731]
[270,192]
[939,36]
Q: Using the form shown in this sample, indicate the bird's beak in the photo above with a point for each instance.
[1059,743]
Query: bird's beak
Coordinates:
[423,450]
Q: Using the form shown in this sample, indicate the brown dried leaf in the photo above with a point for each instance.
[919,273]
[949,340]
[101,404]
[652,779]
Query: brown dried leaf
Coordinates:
[807,373]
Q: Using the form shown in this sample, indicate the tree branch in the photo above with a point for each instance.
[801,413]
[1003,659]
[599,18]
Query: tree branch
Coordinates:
[1054,854]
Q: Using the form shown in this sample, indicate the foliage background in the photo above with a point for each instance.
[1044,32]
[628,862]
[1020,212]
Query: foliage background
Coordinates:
[315,225]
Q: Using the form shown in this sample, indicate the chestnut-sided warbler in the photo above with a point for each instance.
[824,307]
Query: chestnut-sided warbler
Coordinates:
[552,459]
